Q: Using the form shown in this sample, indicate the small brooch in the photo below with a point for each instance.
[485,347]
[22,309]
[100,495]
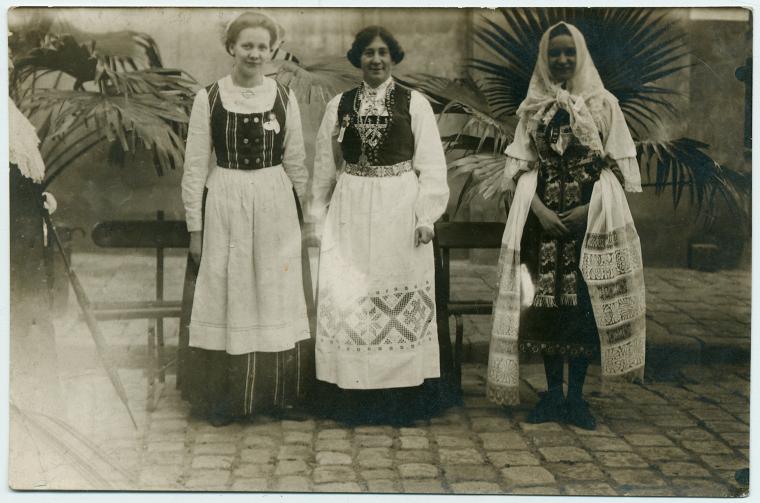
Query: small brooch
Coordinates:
[272,124]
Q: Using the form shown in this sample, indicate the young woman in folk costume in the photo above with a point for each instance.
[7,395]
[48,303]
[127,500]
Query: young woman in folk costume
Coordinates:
[376,341]
[249,331]
[569,222]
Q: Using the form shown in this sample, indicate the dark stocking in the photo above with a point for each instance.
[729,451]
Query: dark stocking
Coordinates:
[576,376]
[554,366]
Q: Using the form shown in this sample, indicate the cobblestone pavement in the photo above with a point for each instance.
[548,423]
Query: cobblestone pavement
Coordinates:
[682,433]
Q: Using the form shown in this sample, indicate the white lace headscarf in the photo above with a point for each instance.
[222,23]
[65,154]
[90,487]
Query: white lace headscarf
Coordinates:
[593,110]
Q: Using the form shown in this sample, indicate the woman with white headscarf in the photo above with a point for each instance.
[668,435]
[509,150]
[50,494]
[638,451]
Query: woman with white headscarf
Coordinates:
[570,225]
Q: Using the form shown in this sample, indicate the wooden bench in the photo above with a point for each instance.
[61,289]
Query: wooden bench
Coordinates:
[157,234]
[459,235]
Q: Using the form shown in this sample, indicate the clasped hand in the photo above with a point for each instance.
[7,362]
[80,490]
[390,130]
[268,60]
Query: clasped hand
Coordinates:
[563,223]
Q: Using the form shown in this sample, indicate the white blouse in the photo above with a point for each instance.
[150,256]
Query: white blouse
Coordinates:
[199,155]
[428,160]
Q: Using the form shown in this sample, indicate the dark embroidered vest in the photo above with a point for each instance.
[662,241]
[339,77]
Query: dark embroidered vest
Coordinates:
[398,145]
[247,141]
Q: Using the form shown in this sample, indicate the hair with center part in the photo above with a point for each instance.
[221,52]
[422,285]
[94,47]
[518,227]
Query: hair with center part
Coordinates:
[366,36]
[249,20]
[560,29]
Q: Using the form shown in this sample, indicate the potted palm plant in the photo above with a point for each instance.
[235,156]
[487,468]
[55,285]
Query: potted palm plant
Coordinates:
[634,50]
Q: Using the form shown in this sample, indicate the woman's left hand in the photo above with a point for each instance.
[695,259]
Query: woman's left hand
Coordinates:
[575,219]
[422,235]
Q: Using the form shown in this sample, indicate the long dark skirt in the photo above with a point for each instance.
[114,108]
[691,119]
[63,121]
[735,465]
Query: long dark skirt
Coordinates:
[395,406]
[217,383]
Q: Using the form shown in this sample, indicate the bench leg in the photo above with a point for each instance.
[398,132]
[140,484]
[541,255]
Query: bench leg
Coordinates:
[183,343]
[160,350]
[151,369]
[458,351]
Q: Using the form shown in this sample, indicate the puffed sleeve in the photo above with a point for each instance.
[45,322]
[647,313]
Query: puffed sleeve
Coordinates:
[294,157]
[619,146]
[197,158]
[324,173]
[429,161]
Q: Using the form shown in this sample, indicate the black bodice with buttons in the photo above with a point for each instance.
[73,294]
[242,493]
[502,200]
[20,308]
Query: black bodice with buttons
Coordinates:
[248,141]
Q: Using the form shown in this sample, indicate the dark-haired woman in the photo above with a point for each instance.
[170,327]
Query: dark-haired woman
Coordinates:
[249,330]
[569,223]
[379,184]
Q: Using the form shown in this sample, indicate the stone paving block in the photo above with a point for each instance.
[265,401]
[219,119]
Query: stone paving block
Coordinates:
[638,477]
[460,456]
[475,487]
[416,432]
[653,454]
[294,467]
[447,441]
[414,456]
[681,469]
[463,473]
[620,459]
[736,439]
[307,425]
[501,459]
[207,480]
[423,486]
[373,430]
[590,489]
[375,458]
[382,486]
[623,427]
[418,471]
[706,447]
[212,462]
[295,452]
[701,488]
[530,428]
[496,424]
[503,441]
[527,475]
[645,440]
[449,430]
[216,448]
[712,415]
[605,444]
[298,437]
[250,485]
[378,474]
[257,440]
[333,445]
[374,441]
[724,461]
[168,425]
[553,439]
[576,471]
[333,434]
[562,454]
[694,434]
[338,487]
[291,484]
[323,474]
[727,426]
[414,442]
[214,438]
[333,458]
[678,421]
[257,455]
[248,471]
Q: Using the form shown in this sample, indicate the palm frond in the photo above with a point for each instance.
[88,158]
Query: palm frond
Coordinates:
[318,81]
[485,174]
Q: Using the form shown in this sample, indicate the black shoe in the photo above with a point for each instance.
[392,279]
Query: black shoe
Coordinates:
[579,415]
[551,408]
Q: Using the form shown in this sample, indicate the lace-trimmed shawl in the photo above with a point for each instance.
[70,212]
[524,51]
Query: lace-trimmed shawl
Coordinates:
[23,146]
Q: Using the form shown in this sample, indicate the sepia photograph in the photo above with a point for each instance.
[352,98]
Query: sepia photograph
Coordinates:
[379,250]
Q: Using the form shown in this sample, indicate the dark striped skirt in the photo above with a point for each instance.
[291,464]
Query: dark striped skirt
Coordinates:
[217,383]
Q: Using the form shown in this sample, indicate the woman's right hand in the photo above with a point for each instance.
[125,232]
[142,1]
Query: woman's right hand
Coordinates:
[550,222]
[196,246]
